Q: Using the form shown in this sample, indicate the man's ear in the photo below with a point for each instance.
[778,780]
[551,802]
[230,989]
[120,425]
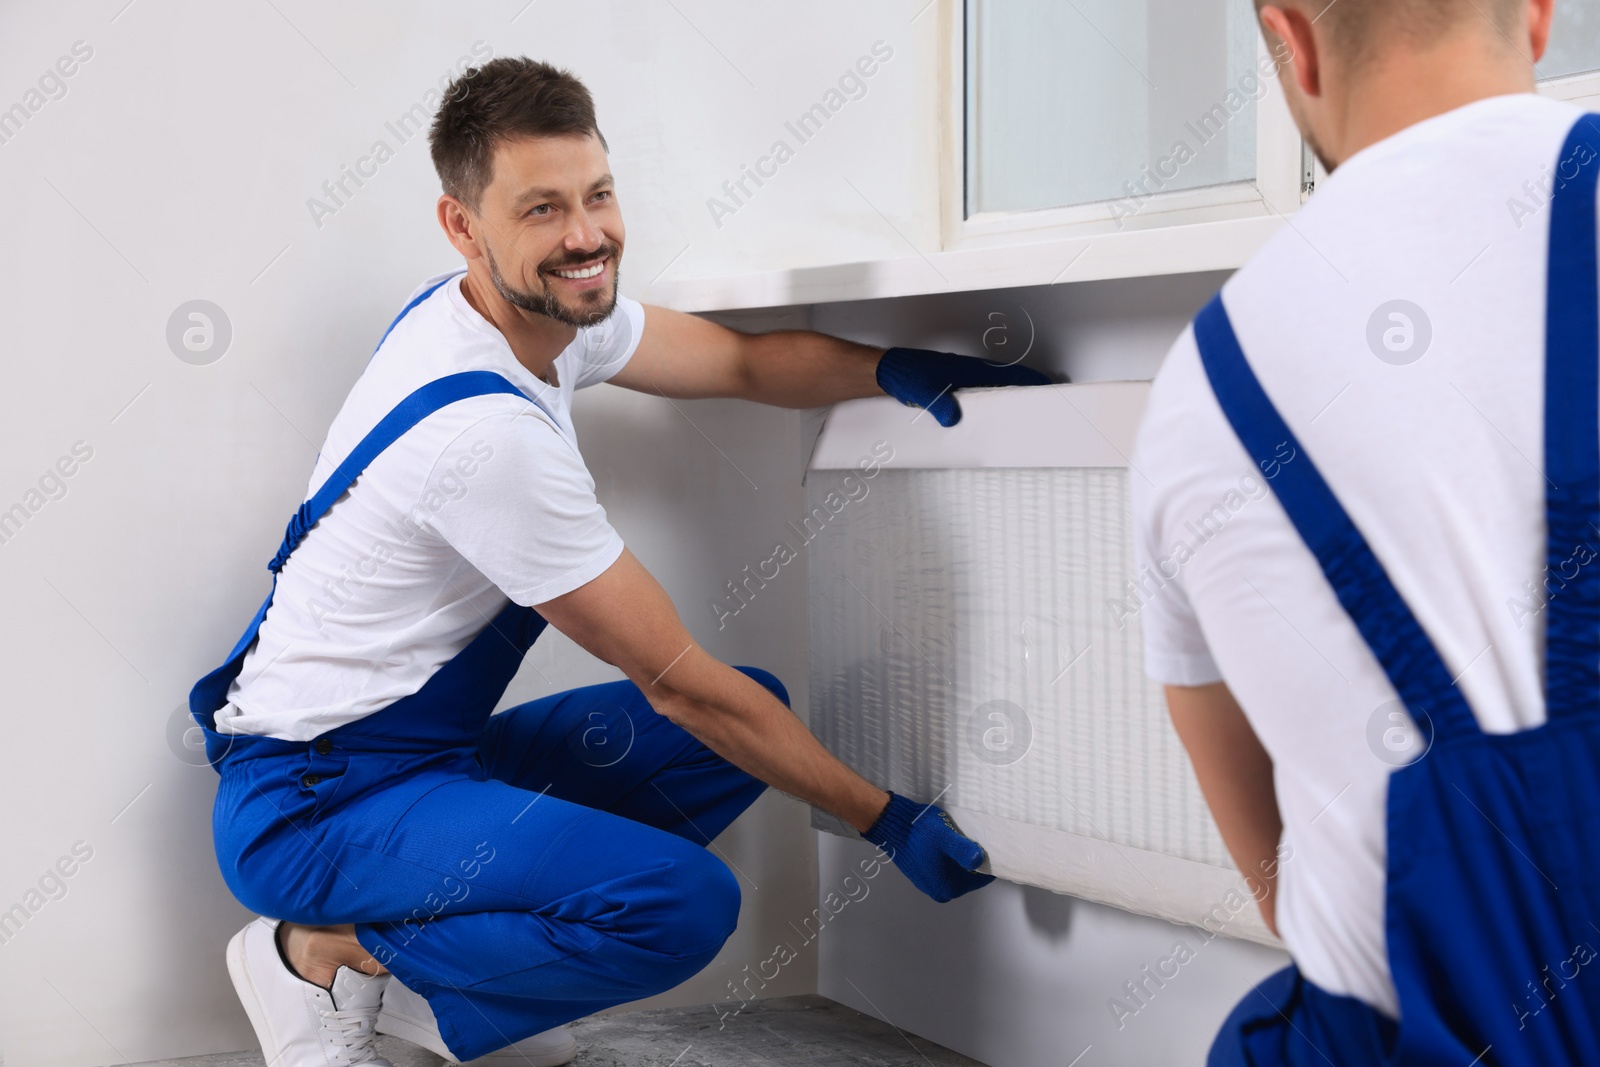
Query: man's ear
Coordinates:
[458,226]
[1540,12]
[1295,46]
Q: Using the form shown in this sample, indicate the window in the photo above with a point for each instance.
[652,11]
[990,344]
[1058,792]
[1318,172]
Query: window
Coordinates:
[1574,40]
[1072,102]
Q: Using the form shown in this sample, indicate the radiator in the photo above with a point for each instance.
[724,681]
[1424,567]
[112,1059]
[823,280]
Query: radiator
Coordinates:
[966,645]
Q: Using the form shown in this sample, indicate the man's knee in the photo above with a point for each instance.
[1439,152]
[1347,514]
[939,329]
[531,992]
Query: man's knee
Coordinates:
[769,681]
[700,911]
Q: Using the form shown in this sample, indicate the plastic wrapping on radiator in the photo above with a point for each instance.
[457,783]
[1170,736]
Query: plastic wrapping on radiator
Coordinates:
[964,646]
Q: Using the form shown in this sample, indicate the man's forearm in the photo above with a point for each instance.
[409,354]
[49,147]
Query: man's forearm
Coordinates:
[802,369]
[735,717]
[1235,775]
[625,618]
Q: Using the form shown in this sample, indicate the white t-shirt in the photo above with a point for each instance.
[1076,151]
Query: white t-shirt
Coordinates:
[483,501]
[1437,461]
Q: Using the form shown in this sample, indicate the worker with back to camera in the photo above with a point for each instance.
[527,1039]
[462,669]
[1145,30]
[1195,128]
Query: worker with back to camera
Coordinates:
[1385,664]
[471,881]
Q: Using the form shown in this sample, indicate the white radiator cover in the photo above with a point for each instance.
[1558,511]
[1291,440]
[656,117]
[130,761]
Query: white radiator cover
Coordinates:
[963,645]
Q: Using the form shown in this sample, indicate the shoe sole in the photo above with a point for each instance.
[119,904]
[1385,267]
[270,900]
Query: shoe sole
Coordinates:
[246,989]
[406,1030]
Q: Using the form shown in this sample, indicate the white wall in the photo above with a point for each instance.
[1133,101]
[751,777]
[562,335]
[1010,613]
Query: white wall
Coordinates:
[1016,976]
[178,165]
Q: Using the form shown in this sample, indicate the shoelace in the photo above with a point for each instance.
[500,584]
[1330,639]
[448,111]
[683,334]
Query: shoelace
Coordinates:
[353,1031]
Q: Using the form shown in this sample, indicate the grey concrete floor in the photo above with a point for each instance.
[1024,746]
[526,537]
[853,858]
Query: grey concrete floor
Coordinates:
[786,1032]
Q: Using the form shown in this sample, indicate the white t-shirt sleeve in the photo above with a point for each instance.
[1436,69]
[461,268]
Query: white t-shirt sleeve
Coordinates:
[1175,649]
[519,505]
[604,349]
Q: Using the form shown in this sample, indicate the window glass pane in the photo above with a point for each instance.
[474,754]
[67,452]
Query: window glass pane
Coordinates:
[1574,39]
[1076,101]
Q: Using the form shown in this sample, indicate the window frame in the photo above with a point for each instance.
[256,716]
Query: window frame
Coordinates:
[1276,190]
[1582,89]
[1285,175]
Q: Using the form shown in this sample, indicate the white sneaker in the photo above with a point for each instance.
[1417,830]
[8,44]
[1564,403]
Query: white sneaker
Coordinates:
[299,1023]
[406,1015]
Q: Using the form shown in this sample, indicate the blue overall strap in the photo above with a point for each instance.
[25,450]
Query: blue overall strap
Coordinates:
[1413,665]
[1571,438]
[209,693]
[406,414]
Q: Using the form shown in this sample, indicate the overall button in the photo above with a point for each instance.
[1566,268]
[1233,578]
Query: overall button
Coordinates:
[310,780]
[323,746]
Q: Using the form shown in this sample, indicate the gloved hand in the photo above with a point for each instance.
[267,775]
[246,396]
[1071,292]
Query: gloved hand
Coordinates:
[925,844]
[924,379]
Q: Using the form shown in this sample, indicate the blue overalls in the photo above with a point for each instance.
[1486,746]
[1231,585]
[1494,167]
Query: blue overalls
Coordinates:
[518,870]
[1493,891]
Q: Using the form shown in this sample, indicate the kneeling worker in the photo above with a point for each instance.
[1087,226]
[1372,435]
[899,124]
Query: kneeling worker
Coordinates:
[511,872]
[1373,499]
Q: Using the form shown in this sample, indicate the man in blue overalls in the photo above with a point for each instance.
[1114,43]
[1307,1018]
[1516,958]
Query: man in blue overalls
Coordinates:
[1370,513]
[467,881]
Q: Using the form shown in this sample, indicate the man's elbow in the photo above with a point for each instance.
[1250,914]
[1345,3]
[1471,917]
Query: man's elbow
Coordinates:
[743,363]
[673,705]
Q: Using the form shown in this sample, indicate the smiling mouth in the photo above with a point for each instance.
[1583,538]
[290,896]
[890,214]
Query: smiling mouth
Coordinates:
[578,274]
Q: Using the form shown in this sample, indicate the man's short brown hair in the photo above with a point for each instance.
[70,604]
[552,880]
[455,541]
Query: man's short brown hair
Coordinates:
[504,99]
[1358,29]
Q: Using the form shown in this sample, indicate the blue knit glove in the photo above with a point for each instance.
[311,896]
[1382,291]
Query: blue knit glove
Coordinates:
[920,378]
[925,844]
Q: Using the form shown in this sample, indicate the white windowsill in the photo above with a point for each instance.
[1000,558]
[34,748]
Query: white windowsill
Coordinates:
[1224,245]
